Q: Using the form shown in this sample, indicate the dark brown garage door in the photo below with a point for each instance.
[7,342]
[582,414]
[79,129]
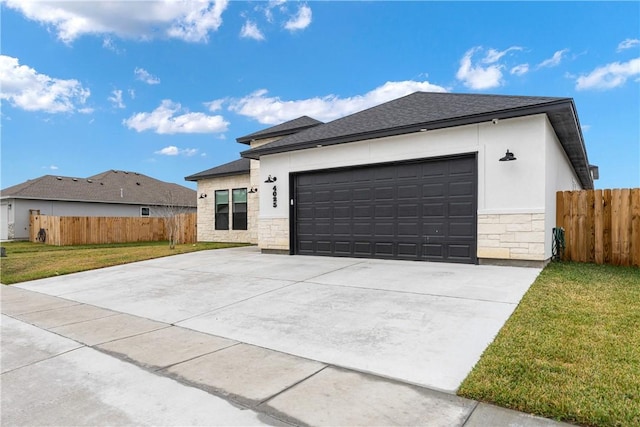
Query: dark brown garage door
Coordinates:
[422,210]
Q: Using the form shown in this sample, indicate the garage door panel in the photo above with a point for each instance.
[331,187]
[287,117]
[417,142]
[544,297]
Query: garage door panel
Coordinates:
[384,211]
[461,209]
[384,194]
[407,211]
[408,250]
[385,229]
[343,248]
[408,229]
[323,212]
[459,252]
[433,190]
[342,195]
[433,210]
[341,212]
[362,193]
[458,167]
[435,169]
[383,249]
[363,211]
[421,210]
[363,229]
[408,192]
[460,229]
[463,188]
[342,229]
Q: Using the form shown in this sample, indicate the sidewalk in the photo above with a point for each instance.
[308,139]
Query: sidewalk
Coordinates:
[65,363]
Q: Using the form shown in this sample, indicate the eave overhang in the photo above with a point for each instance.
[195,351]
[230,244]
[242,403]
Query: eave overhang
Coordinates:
[561,113]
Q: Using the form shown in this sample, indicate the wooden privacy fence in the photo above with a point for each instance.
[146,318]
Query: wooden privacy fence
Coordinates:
[601,226]
[87,230]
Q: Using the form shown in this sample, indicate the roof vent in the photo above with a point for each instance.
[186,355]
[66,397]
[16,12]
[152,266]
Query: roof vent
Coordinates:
[102,183]
[89,181]
[137,183]
[74,179]
[59,178]
[115,171]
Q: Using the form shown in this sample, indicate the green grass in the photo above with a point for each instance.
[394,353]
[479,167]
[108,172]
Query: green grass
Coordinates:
[570,351]
[30,261]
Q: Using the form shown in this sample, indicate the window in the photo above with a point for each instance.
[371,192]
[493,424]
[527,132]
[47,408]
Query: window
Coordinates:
[222,210]
[144,211]
[240,209]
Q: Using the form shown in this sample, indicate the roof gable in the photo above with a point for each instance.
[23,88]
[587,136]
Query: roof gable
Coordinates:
[286,128]
[108,187]
[237,167]
[431,110]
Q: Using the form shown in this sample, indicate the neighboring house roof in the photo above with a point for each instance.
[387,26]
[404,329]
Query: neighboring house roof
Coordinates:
[237,167]
[108,187]
[431,110]
[283,129]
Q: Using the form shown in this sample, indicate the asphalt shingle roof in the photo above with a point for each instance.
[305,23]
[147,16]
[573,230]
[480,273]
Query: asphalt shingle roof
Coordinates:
[286,128]
[431,110]
[237,167]
[108,187]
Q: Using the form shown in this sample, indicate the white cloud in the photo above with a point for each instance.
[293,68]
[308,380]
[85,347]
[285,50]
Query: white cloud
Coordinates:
[493,55]
[520,70]
[132,93]
[628,44]
[29,90]
[251,31]
[144,76]
[585,128]
[273,110]
[554,60]
[166,120]
[116,98]
[215,105]
[186,20]
[172,150]
[609,76]
[51,167]
[476,76]
[108,43]
[272,4]
[301,20]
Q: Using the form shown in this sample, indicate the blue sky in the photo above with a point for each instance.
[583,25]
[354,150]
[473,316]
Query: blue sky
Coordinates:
[164,88]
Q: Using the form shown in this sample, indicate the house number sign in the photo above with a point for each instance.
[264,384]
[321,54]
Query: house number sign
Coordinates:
[275,196]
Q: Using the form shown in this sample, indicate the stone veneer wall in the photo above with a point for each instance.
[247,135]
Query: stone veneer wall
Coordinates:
[206,211]
[274,234]
[511,236]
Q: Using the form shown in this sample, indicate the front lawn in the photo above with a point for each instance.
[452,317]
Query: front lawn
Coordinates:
[29,261]
[570,351]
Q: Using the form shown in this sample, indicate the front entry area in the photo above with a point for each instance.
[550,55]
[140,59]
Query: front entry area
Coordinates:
[418,210]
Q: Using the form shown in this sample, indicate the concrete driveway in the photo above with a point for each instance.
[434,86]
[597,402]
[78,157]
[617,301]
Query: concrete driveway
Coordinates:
[422,323]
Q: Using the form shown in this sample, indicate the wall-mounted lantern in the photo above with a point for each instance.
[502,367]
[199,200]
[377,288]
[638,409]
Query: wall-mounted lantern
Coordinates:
[508,157]
[271,179]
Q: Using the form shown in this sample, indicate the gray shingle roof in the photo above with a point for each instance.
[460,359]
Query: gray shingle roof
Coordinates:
[237,167]
[430,110]
[105,187]
[286,128]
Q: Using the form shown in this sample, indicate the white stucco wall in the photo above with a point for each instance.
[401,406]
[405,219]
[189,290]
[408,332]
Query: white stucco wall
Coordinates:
[517,192]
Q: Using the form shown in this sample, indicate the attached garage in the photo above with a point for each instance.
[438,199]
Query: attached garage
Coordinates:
[417,210]
[466,178]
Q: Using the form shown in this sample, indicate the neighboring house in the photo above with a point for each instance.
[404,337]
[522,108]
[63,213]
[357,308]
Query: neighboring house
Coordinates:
[109,194]
[424,177]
